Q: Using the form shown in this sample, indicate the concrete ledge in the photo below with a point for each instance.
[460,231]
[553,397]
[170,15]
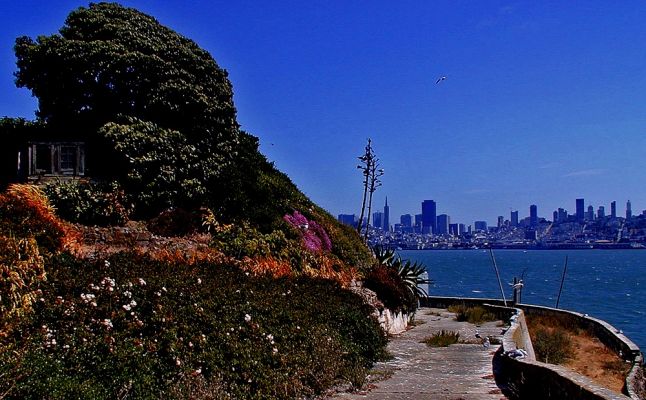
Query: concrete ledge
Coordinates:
[527,378]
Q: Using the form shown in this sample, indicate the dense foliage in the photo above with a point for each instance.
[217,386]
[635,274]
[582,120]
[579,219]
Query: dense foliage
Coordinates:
[89,203]
[129,326]
[158,324]
[157,115]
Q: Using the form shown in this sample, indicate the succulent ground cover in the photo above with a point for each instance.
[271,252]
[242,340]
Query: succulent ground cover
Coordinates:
[159,324]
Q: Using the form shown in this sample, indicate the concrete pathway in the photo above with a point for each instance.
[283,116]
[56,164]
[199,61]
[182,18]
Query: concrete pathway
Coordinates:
[417,371]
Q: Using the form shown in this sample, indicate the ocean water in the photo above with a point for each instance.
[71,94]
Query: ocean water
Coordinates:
[606,284]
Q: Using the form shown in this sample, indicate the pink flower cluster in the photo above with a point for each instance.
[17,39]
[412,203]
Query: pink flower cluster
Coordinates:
[314,236]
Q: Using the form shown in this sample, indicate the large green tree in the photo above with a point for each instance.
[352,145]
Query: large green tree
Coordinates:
[112,71]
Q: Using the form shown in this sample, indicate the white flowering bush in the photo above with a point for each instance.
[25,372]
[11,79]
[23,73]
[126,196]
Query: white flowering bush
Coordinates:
[136,328]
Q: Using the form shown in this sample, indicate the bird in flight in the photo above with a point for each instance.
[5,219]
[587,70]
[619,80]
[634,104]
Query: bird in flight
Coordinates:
[440,79]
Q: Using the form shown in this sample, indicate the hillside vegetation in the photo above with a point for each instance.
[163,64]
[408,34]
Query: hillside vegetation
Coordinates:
[248,297]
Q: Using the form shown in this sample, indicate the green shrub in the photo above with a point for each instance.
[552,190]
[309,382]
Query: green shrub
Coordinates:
[89,203]
[442,339]
[475,315]
[553,346]
[136,328]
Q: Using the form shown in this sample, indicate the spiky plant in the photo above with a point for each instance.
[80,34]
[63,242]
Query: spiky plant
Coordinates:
[411,273]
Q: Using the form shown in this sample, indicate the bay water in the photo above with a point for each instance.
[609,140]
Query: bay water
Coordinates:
[606,284]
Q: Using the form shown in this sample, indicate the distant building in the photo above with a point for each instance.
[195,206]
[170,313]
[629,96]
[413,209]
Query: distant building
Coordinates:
[443,221]
[530,234]
[480,226]
[454,230]
[462,229]
[629,211]
[563,217]
[514,218]
[386,221]
[429,216]
[348,219]
[555,216]
[613,209]
[590,214]
[580,207]
[378,219]
[406,220]
[533,215]
[601,212]
[418,223]
[501,221]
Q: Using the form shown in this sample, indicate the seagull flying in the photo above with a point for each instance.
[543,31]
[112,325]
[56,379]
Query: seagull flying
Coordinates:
[440,79]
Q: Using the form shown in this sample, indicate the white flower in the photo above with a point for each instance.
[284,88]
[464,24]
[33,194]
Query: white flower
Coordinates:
[199,281]
[107,323]
[133,303]
[106,263]
[275,350]
[126,307]
[247,318]
[142,282]
[178,362]
[127,293]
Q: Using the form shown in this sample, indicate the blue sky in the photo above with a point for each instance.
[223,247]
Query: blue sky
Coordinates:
[544,101]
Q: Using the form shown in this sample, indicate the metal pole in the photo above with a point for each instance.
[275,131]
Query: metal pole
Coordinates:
[495,266]
[562,280]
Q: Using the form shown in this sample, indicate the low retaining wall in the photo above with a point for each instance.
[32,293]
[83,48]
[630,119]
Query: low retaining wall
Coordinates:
[393,323]
[527,378]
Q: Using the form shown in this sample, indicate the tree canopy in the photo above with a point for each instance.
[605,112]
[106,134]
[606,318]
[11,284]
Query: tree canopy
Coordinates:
[147,100]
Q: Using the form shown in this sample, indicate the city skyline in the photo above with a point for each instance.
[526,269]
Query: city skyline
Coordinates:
[581,211]
[543,101]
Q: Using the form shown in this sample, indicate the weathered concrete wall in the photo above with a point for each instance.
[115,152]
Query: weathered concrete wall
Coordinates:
[394,323]
[526,378]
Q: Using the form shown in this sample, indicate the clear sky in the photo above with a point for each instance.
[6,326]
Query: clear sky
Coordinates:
[544,101]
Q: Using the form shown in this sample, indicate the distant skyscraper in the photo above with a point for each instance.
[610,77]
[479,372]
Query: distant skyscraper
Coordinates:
[613,209]
[555,216]
[590,214]
[454,230]
[443,222]
[386,221]
[348,219]
[429,216]
[580,210]
[562,215]
[514,218]
[533,215]
[501,221]
[418,223]
[480,226]
[378,219]
[601,212]
[462,229]
[406,220]
[629,211]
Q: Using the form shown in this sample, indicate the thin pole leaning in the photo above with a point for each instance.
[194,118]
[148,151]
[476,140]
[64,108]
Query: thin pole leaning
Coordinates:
[495,267]
[562,280]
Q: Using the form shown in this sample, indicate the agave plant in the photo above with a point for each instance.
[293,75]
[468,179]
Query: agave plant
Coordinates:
[411,274]
[384,256]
